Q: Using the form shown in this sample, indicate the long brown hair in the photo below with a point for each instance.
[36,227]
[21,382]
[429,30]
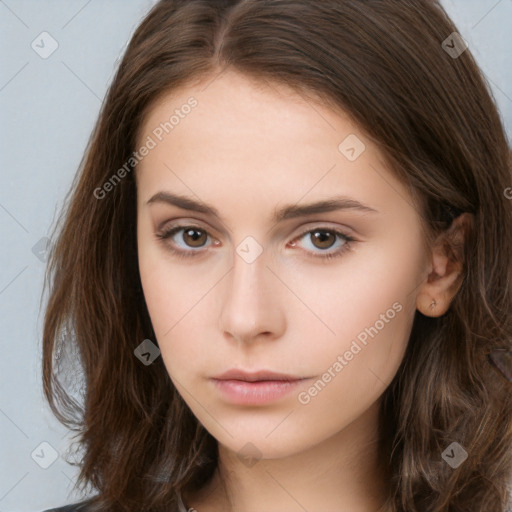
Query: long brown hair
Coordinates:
[386,64]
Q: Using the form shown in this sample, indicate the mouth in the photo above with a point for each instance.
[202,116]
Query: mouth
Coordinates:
[258,376]
[255,388]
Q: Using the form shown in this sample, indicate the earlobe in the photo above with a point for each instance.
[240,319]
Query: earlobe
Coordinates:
[446,276]
[436,299]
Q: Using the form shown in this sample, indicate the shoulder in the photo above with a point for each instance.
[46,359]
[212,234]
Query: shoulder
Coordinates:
[75,507]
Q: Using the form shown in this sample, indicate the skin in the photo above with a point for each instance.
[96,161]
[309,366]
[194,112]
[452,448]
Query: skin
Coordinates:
[248,149]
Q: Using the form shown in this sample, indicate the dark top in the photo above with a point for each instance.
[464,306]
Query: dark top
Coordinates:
[75,507]
[82,506]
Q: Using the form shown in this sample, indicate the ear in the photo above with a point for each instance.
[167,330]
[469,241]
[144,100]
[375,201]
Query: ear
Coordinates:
[446,268]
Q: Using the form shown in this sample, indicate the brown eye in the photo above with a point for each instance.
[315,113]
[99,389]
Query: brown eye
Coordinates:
[184,240]
[192,241]
[323,239]
[194,237]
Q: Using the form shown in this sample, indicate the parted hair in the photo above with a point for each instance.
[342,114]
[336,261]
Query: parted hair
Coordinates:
[432,114]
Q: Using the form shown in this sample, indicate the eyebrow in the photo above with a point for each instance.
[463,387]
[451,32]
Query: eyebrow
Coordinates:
[284,213]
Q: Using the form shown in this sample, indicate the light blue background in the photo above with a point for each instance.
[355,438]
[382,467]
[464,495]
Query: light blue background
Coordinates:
[48,108]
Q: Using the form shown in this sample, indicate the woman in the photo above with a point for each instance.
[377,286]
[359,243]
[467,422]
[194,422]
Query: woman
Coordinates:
[286,265]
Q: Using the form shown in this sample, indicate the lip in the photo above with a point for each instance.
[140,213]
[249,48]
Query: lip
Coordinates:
[255,388]
[261,375]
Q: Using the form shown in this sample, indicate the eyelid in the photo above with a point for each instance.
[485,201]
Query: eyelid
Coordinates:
[185,222]
[326,225]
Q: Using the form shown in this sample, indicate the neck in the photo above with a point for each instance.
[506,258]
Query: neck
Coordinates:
[342,474]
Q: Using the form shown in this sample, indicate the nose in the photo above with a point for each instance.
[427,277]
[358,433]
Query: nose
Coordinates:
[252,307]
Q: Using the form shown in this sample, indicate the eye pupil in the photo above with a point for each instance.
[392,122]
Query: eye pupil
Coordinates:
[323,237]
[192,232]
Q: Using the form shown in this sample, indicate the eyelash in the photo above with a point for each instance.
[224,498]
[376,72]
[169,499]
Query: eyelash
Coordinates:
[166,234]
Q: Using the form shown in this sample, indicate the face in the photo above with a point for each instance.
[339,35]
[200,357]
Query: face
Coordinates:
[262,283]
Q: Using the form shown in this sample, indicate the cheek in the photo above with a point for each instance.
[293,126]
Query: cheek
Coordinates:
[345,300]
[169,290]
[358,364]
[367,318]
[176,297]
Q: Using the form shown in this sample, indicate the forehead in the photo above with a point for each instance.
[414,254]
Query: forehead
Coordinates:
[236,134]
[234,106]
